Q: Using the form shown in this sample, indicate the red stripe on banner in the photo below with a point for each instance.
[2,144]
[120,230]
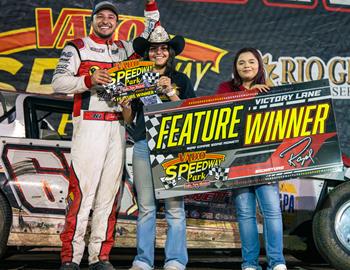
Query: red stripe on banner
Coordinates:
[275,163]
[17,40]
[70,226]
[220,99]
[197,52]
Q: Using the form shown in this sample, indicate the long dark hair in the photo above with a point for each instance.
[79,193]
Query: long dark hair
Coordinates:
[170,64]
[260,76]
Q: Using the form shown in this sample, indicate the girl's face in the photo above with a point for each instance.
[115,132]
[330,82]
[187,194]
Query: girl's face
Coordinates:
[159,54]
[247,66]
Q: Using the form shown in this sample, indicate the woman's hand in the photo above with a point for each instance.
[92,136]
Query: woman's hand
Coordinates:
[165,84]
[261,87]
[125,103]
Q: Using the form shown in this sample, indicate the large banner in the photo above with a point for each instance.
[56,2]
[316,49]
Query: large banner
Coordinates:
[242,139]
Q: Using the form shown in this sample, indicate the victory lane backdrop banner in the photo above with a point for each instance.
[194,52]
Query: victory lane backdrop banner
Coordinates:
[213,143]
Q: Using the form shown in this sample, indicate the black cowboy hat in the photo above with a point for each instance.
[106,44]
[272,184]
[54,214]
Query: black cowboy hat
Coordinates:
[158,36]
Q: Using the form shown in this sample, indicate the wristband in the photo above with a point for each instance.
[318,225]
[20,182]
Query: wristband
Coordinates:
[171,93]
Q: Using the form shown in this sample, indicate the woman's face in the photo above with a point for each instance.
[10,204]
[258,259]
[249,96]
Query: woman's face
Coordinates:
[247,66]
[159,54]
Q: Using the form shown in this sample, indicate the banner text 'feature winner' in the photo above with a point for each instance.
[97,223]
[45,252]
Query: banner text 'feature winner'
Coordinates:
[213,143]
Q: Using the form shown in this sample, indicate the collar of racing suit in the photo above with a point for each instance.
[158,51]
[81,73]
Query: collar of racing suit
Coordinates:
[99,40]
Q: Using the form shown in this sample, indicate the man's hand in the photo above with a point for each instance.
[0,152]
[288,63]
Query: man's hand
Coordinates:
[101,76]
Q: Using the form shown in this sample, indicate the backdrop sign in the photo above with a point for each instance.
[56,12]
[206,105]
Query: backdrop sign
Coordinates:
[234,140]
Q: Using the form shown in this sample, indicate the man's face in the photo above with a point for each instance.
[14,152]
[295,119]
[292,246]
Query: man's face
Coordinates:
[104,23]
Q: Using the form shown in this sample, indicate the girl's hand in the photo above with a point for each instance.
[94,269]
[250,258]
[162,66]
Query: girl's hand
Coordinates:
[261,87]
[165,84]
[128,115]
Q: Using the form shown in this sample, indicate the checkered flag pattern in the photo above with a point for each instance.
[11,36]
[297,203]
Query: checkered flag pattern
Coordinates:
[152,127]
[110,88]
[220,173]
[159,159]
[150,78]
[110,91]
[106,93]
[103,95]
[169,183]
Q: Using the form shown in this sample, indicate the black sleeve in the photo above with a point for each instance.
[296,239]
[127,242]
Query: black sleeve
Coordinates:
[136,105]
[187,90]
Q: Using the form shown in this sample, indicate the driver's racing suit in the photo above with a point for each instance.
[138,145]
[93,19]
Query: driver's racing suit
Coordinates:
[98,143]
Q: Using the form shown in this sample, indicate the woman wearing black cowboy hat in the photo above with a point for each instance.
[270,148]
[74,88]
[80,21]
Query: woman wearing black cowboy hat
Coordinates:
[160,49]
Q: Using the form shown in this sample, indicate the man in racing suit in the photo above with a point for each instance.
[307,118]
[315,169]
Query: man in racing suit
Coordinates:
[98,143]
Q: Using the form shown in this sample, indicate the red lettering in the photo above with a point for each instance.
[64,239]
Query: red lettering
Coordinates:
[49,32]
[74,28]
[129,29]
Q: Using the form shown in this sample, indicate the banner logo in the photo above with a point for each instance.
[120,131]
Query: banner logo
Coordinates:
[191,167]
[130,72]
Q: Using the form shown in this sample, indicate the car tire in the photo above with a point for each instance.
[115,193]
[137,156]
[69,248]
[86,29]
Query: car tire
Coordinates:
[5,223]
[331,227]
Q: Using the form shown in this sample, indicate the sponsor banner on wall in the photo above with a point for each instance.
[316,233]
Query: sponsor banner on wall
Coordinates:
[294,50]
[246,138]
[31,45]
